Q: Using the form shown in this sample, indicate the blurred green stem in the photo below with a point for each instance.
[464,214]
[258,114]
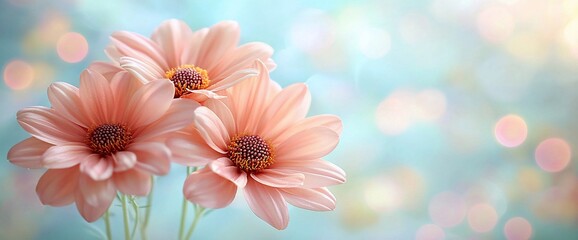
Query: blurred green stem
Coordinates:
[143,229]
[198,214]
[125,217]
[107,225]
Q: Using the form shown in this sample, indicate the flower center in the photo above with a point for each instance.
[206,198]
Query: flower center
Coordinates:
[250,153]
[187,77]
[107,139]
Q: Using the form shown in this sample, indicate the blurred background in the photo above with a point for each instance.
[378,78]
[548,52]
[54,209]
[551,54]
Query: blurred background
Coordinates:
[459,116]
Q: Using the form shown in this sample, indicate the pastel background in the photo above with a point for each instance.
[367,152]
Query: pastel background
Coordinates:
[460,117]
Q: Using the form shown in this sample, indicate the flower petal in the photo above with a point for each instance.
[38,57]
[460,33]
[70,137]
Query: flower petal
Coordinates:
[248,99]
[96,193]
[65,156]
[241,58]
[308,144]
[316,199]
[318,173]
[97,167]
[137,46]
[124,86]
[190,149]
[330,121]
[141,69]
[191,53]
[97,98]
[170,36]
[133,182]
[65,101]
[149,103]
[223,112]
[28,153]
[152,157]
[56,187]
[91,212]
[225,168]
[278,178]
[208,189]
[288,107]
[233,79]
[108,70]
[202,95]
[124,160]
[180,114]
[44,124]
[211,129]
[267,203]
[221,38]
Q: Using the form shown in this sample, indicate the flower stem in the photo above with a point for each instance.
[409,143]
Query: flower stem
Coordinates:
[107,225]
[198,214]
[184,211]
[143,229]
[125,217]
[136,217]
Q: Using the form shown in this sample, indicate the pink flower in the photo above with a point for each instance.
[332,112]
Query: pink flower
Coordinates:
[200,64]
[258,139]
[105,136]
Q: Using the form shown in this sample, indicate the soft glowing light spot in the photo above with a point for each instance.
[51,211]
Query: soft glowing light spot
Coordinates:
[382,195]
[374,42]
[553,155]
[518,229]
[528,46]
[72,47]
[571,36]
[431,104]
[411,185]
[511,131]
[430,232]
[416,29]
[495,24]
[447,209]
[18,75]
[487,193]
[482,217]
[393,114]
[400,187]
[530,180]
[313,31]
[402,108]
[44,36]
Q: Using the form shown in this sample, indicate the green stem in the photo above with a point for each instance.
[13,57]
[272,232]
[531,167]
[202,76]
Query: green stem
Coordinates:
[143,233]
[136,217]
[184,211]
[125,217]
[198,214]
[107,225]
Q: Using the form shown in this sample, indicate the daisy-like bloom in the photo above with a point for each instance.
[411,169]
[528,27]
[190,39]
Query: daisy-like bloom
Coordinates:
[200,64]
[259,139]
[105,136]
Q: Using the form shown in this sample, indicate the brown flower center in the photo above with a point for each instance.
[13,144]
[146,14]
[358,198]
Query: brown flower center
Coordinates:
[186,78]
[107,139]
[250,153]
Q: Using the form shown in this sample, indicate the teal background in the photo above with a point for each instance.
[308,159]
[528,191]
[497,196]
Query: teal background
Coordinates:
[445,70]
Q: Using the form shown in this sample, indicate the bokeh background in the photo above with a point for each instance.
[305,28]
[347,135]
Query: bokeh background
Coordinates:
[460,117]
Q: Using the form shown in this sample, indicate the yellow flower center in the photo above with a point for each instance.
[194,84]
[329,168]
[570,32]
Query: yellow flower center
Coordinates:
[107,139]
[250,153]
[187,77]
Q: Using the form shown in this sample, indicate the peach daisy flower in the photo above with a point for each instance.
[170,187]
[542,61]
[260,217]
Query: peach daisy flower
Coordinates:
[199,63]
[259,139]
[105,136]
